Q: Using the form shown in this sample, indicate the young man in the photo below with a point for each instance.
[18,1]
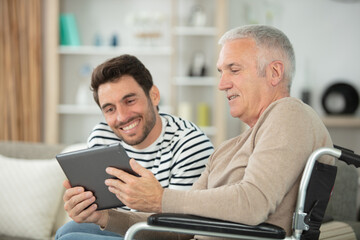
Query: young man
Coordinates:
[250,179]
[172,149]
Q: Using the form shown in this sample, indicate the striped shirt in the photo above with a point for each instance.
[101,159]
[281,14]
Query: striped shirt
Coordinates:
[176,158]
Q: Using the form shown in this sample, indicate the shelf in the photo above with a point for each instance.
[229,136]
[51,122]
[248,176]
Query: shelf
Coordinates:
[73,109]
[341,121]
[78,109]
[108,50]
[195,31]
[195,81]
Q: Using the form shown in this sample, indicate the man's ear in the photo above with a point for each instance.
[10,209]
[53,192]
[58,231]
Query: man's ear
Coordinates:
[276,72]
[155,95]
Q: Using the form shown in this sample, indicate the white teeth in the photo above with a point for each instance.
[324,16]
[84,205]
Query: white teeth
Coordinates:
[130,126]
[232,97]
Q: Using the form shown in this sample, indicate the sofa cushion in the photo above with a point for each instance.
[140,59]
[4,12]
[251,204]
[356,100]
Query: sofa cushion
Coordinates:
[342,208]
[336,230]
[31,193]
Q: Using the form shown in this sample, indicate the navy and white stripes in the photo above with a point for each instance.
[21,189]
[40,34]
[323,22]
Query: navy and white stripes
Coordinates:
[176,158]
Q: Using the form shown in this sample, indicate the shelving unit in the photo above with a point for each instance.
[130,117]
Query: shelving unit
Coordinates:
[195,81]
[78,109]
[68,122]
[341,121]
[189,39]
[113,51]
[195,31]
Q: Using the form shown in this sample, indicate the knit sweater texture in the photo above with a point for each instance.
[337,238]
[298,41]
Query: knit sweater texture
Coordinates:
[252,178]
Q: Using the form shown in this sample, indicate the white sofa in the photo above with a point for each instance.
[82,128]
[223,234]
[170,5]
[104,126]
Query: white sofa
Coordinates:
[31,203]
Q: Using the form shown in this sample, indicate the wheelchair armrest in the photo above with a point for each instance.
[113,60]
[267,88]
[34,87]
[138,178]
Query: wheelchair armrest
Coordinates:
[214,225]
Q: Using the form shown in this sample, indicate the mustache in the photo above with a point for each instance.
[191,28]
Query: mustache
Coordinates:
[127,121]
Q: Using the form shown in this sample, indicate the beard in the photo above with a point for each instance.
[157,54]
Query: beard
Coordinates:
[150,120]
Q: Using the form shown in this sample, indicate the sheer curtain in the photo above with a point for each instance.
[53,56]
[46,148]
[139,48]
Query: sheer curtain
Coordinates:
[20,70]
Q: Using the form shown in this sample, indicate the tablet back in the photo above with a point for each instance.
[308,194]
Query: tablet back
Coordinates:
[86,168]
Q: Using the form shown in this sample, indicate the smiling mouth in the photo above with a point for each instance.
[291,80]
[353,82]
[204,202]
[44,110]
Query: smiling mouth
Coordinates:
[130,126]
[232,97]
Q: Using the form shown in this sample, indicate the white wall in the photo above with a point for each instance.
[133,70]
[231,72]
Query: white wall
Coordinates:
[325,35]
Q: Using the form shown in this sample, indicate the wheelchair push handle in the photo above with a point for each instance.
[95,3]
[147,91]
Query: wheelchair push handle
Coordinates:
[349,156]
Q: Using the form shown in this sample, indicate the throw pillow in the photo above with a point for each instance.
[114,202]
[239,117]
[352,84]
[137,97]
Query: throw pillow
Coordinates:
[31,191]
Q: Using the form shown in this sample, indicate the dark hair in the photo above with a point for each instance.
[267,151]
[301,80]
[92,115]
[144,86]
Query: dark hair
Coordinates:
[115,68]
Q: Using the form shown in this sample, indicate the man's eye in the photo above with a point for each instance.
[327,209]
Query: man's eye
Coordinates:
[130,101]
[109,110]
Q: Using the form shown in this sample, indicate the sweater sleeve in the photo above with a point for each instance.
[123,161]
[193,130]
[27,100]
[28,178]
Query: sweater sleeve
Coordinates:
[280,146]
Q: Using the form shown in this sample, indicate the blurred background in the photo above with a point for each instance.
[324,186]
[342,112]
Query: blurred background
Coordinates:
[49,48]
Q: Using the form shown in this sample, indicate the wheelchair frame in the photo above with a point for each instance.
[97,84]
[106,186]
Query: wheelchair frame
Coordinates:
[178,223]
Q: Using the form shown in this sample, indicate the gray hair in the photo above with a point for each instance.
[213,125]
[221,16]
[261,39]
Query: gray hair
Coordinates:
[273,45]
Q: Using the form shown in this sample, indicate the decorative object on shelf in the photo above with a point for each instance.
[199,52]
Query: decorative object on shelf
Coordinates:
[198,67]
[147,26]
[203,115]
[83,95]
[69,34]
[306,96]
[197,16]
[340,98]
[98,41]
[114,40]
[185,111]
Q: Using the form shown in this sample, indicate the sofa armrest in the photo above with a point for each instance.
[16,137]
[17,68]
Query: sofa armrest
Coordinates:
[27,150]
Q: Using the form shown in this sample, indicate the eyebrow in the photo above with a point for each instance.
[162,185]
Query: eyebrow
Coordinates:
[123,98]
[233,64]
[105,105]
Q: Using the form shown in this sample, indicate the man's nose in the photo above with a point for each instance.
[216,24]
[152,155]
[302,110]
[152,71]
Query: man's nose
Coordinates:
[224,83]
[122,114]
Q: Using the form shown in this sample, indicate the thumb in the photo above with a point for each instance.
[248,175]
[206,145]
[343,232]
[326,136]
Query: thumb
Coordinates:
[138,168]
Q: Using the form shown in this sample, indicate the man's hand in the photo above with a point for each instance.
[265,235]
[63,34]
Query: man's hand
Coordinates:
[142,193]
[76,203]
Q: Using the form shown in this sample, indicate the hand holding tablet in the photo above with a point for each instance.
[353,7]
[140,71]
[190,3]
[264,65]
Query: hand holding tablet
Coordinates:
[86,168]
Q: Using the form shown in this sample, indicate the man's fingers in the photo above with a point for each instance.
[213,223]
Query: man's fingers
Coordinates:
[126,177]
[120,174]
[114,185]
[79,207]
[70,192]
[78,203]
[84,215]
[78,200]
[138,168]
[67,184]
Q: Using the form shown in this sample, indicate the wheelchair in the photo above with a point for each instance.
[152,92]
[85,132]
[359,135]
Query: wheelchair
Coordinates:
[313,196]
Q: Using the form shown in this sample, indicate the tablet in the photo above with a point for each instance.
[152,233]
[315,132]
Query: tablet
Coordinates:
[86,168]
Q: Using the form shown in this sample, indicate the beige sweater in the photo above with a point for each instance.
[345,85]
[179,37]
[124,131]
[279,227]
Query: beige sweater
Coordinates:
[252,178]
